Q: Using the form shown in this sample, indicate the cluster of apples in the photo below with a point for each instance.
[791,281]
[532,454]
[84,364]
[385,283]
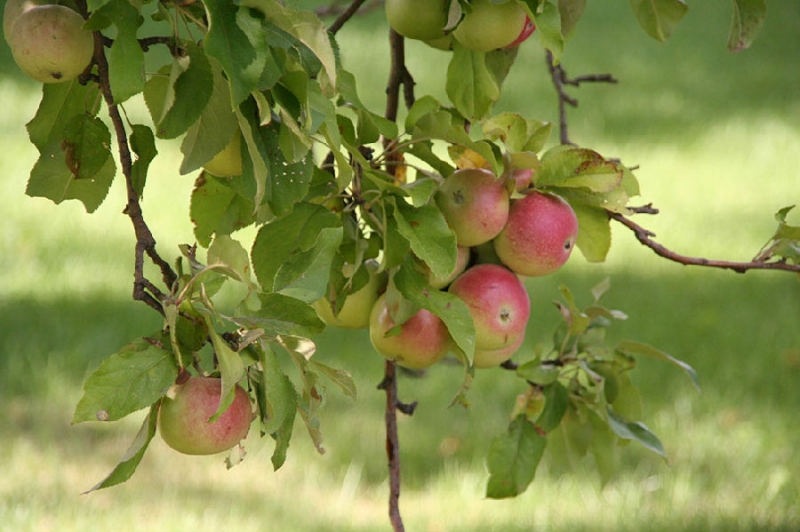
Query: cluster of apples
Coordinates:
[487,26]
[505,231]
[47,41]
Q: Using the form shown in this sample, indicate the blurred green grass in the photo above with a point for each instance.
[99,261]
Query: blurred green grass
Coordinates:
[717,139]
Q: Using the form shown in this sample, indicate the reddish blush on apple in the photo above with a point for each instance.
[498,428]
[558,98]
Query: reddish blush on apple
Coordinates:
[498,303]
[539,236]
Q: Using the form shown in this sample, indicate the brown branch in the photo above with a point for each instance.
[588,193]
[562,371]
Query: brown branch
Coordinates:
[345,15]
[143,289]
[389,385]
[559,77]
[645,237]
[399,76]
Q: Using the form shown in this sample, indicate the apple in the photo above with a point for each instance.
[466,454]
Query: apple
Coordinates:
[539,236]
[421,341]
[498,303]
[462,259]
[523,178]
[490,26]
[526,32]
[357,307]
[475,204]
[490,358]
[423,20]
[49,43]
[441,43]
[12,11]
[183,418]
[228,162]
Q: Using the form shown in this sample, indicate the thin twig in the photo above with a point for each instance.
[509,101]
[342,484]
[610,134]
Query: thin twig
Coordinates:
[646,238]
[389,385]
[345,15]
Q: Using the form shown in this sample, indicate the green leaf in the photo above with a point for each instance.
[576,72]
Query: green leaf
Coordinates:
[594,237]
[570,12]
[659,18]
[470,85]
[450,308]
[143,144]
[555,406]
[236,40]
[549,28]
[284,236]
[130,461]
[215,128]
[86,145]
[60,103]
[572,167]
[633,348]
[539,372]
[51,178]
[279,314]
[636,431]
[430,237]
[231,369]
[304,275]
[217,209]
[129,380]
[227,252]
[746,22]
[280,396]
[126,58]
[604,446]
[513,458]
[339,377]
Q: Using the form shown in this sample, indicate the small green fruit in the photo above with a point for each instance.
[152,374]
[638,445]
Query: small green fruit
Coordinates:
[228,162]
[423,20]
[490,26]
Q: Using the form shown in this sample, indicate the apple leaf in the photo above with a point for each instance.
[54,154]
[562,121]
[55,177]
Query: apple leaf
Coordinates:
[217,209]
[287,182]
[470,84]
[60,103]
[570,11]
[339,377]
[231,369]
[129,380]
[279,314]
[513,458]
[130,460]
[637,431]
[86,145]
[633,348]
[305,274]
[212,132]
[555,406]
[294,232]
[143,144]
[746,22]
[450,308]
[594,236]
[229,253]
[538,372]
[659,18]
[430,237]
[604,447]
[280,397]
[548,26]
[572,167]
[126,57]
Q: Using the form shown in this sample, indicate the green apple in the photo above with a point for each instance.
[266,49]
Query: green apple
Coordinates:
[498,303]
[539,236]
[49,43]
[356,310]
[228,162]
[183,418]
[418,343]
[423,20]
[15,8]
[490,26]
[475,203]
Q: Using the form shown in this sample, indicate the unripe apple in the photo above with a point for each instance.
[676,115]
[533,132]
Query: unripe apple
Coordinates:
[539,235]
[526,32]
[523,178]
[12,11]
[475,204]
[183,419]
[418,19]
[49,43]
[498,303]
[462,259]
[422,341]
[490,358]
[228,162]
[356,310]
[491,26]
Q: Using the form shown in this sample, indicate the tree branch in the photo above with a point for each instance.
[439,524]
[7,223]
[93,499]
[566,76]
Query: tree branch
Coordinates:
[389,385]
[559,77]
[646,238]
[345,15]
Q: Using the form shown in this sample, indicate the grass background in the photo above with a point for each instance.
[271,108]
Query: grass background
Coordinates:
[717,138]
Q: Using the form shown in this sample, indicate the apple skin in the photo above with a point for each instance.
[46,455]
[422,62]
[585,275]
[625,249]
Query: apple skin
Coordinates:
[475,204]
[49,43]
[523,178]
[423,339]
[357,308]
[491,358]
[423,20]
[539,236]
[498,303]
[183,417]
[462,259]
[228,162]
[526,32]
[13,10]
[490,26]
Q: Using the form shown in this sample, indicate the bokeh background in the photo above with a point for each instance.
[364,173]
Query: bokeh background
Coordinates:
[716,137]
